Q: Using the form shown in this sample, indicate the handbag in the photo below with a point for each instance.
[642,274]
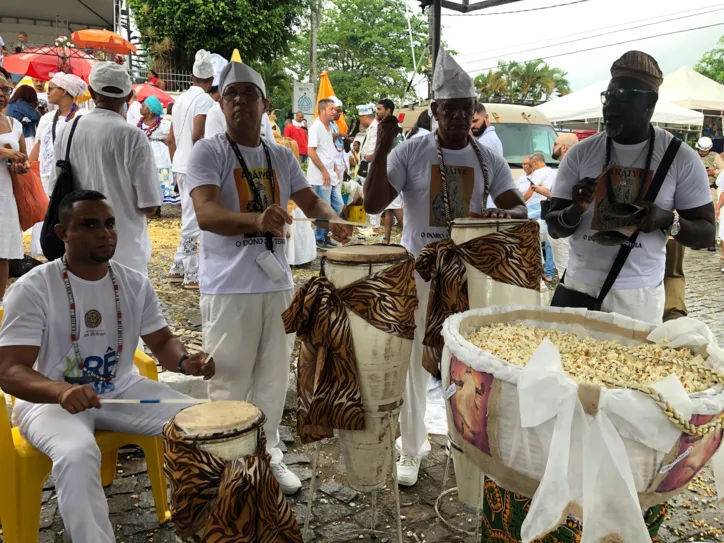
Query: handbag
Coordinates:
[545,207]
[567,297]
[29,195]
[363,169]
[53,247]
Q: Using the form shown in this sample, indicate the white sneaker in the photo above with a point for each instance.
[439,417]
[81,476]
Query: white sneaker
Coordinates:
[407,469]
[289,482]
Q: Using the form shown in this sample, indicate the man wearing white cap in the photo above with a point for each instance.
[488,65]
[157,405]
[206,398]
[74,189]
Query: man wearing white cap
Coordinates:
[414,170]
[340,160]
[240,184]
[114,158]
[189,122]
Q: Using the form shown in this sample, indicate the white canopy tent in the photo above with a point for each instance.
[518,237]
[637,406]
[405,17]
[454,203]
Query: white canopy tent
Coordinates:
[690,89]
[585,106]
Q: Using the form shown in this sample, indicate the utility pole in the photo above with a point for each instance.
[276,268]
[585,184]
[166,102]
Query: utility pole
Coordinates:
[430,53]
[314,21]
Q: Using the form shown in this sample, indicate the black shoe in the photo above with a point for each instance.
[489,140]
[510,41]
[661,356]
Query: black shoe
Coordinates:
[712,249]
[321,245]
[329,243]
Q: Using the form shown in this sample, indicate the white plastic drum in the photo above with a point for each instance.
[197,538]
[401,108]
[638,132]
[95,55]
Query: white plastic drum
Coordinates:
[483,292]
[382,361]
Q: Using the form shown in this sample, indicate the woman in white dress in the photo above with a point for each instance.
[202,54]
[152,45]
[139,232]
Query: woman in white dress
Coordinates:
[157,129]
[12,148]
[63,90]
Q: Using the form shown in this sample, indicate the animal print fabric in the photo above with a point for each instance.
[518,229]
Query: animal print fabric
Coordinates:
[328,386]
[226,502]
[511,257]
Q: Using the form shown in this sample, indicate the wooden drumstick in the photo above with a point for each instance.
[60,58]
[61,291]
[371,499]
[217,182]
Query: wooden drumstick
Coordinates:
[336,221]
[175,400]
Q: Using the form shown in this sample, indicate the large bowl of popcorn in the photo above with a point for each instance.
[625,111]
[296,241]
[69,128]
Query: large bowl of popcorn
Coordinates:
[591,414]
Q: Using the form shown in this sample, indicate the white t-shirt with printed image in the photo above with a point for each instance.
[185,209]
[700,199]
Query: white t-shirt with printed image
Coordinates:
[228,263]
[686,186]
[414,171]
[37,313]
[320,137]
[188,106]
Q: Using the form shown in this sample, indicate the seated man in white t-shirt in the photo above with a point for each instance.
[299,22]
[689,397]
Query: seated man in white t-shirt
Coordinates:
[581,202]
[61,383]
[413,170]
[240,185]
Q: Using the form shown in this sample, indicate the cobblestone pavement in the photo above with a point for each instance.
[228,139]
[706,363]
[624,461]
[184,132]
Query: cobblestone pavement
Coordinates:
[341,514]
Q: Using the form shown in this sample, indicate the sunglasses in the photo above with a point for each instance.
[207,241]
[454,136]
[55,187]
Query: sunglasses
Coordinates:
[247,95]
[7,91]
[622,95]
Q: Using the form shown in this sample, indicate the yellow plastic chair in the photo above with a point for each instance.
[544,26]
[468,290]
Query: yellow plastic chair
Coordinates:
[23,469]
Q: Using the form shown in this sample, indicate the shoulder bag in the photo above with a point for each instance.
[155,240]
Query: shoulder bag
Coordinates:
[53,247]
[567,297]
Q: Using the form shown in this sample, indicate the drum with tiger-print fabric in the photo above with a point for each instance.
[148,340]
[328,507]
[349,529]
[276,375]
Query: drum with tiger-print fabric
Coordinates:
[215,435]
[484,291]
[382,361]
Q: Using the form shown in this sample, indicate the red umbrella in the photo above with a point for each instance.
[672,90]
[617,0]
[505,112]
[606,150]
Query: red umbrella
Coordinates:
[41,62]
[145,90]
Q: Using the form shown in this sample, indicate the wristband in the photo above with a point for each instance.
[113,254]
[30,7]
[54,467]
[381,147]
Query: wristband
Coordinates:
[181,361]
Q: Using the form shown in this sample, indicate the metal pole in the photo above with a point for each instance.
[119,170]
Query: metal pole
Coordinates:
[436,20]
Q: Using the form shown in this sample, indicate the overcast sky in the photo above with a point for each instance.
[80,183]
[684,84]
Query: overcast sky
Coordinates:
[480,41]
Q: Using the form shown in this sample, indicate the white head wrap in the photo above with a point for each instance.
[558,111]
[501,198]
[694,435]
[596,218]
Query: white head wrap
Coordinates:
[450,81]
[366,109]
[203,67]
[336,101]
[72,84]
[238,72]
[219,62]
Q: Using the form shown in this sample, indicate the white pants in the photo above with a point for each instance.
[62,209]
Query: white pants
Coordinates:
[413,434]
[643,304]
[560,248]
[186,259]
[68,440]
[252,364]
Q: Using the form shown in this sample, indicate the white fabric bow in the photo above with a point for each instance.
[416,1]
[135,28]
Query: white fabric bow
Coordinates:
[587,460]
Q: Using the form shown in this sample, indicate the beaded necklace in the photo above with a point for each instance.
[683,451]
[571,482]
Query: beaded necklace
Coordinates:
[443,177]
[73,108]
[74,326]
[151,129]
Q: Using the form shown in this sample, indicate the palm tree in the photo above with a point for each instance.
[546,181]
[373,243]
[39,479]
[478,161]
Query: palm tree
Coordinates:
[490,86]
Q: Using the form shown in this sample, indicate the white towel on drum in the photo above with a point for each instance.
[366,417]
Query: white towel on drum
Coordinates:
[300,247]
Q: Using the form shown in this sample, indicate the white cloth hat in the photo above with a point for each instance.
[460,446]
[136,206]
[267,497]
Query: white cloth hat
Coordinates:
[238,72]
[219,62]
[336,101]
[105,75]
[704,144]
[70,83]
[366,109]
[450,81]
[203,67]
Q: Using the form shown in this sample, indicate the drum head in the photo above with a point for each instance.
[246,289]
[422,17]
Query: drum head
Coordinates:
[217,418]
[486,223]
[367,253]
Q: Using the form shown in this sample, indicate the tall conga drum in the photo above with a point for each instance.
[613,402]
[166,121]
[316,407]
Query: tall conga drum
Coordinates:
[483,291]
[227,431]
[382,361]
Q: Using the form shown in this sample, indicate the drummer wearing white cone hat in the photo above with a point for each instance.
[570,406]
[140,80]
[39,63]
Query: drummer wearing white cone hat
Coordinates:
[414,171]
[188,127]
[240,185]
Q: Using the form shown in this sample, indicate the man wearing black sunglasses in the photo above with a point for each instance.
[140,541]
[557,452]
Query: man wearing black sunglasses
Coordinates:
[614,207]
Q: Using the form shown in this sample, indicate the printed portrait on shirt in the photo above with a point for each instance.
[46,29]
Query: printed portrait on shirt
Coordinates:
[460,182]
[99,358]
[267,196]
[629,187]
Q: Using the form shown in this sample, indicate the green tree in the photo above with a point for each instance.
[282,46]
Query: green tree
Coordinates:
[712,63]
[260,29]
[533,81]
[365,46]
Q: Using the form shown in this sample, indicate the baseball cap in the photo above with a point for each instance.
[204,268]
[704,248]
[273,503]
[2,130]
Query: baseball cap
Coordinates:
[110,79]
[366,109]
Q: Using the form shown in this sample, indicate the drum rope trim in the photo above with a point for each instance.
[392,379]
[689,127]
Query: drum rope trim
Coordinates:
[328,381]
[511,257]
[443,177]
